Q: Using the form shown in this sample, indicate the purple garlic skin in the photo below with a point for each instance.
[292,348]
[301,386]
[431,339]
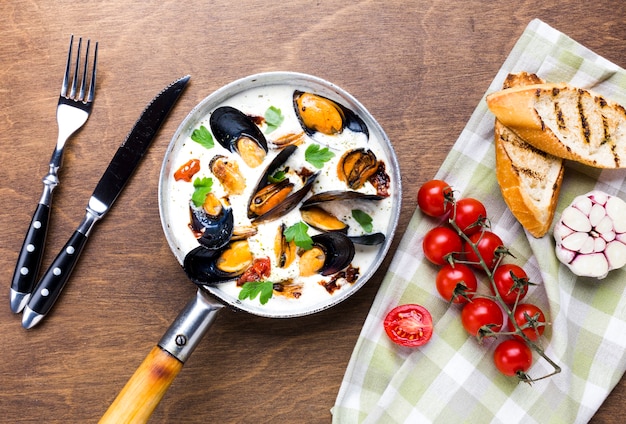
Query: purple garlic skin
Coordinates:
[591,235]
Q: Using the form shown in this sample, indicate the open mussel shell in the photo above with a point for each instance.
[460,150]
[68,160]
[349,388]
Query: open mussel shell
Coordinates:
[271,200]
[338,251]
[372,239]
[213,266]
[215,230]
[237,132]
[339,195]
[317,113]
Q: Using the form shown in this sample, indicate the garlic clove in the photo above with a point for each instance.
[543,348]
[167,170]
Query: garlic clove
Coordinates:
[591,235]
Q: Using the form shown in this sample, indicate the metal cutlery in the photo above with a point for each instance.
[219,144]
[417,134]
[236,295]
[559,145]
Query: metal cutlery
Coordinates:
[73,109]
[106,192]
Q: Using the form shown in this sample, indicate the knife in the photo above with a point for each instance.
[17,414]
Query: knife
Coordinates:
[106,192]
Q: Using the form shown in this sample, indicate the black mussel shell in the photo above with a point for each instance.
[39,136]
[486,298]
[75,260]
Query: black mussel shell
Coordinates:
[349,119]
[339,251]
[229,124]
[338,195]
[199,265]
[216,231]
[369,239]
[289,203]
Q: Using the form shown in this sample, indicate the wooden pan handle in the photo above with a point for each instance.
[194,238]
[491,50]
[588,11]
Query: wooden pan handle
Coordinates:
[143,392]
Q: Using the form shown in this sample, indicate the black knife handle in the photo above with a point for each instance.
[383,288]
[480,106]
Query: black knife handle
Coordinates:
[29,259]
[53,281]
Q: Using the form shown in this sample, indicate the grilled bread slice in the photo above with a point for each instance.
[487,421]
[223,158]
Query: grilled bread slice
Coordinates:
[565,121]
[529,179]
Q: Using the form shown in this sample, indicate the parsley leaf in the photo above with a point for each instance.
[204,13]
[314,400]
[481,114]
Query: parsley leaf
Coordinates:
[277,177]
[363,219]
[273,119]
[202,188]
[252,289]
[203,137]
[317,156]
[298,233]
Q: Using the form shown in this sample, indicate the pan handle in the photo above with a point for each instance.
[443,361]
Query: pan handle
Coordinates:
[143,392]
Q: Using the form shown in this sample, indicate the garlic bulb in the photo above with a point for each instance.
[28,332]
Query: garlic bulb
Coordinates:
[591,234]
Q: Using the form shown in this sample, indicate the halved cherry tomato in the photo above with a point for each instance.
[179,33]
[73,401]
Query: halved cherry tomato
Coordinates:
[433,198]
[440,242]
[409,325]
[481,313]
[529,316]
[187,170]
[512,357]
[456,283]
[469,215]
[509,286]
[488,244]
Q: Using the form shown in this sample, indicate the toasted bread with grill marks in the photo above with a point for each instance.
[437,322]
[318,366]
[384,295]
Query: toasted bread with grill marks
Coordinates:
[565,121]
[529,179]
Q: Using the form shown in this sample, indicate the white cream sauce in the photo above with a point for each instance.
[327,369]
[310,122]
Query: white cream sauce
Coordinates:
[255,102]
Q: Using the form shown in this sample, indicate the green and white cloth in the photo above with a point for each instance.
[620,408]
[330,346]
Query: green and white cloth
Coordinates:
[452,379]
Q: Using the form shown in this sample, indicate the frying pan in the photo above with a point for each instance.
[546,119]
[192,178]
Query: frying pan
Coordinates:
[144,390]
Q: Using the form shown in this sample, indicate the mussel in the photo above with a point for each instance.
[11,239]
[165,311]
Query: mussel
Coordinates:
[284,250]
[273,199]
[331,253]
[321,114]
[356,167]
[213,225]
[212,266]
[237,132]
[228,174]
[319,218]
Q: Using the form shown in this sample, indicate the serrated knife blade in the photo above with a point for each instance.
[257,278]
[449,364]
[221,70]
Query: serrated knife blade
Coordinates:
[111,184]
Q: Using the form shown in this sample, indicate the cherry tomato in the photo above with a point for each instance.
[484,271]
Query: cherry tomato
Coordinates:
[512,357]
[479,313]
[487,243]
[530,316]
[508,285]
[261,268]
[187,170]
[440,242]
[434,198]
[456,283]
[469,215]
[409,325]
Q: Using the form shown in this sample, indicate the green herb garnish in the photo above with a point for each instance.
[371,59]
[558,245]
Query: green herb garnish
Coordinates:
[277,177]
[202,188]
[317,156]
[252,289]
[273,119]
[203,137]
[363,219]
[298,234]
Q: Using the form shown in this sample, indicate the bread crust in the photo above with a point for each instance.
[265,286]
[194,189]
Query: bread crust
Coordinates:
[530,179]
[565,121]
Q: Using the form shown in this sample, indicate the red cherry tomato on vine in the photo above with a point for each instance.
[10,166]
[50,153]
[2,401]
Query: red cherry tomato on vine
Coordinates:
[440,242]
[506,283]
[409,325]
[512,357]
[469,215]
[431,198]
[479,313]
[487,243]
[456,283]
[530,316]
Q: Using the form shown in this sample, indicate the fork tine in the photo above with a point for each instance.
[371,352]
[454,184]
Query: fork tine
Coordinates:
[75,79]
[92,82]
[66,77]
[83,84]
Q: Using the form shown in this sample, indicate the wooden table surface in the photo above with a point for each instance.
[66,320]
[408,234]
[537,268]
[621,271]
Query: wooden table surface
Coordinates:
[419,67]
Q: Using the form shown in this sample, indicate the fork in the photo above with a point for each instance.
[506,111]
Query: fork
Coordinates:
[73,109]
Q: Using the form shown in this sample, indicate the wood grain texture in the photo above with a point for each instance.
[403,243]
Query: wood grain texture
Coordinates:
[420,68]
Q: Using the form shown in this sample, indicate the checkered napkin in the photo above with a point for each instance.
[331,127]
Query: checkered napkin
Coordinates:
[452,379]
